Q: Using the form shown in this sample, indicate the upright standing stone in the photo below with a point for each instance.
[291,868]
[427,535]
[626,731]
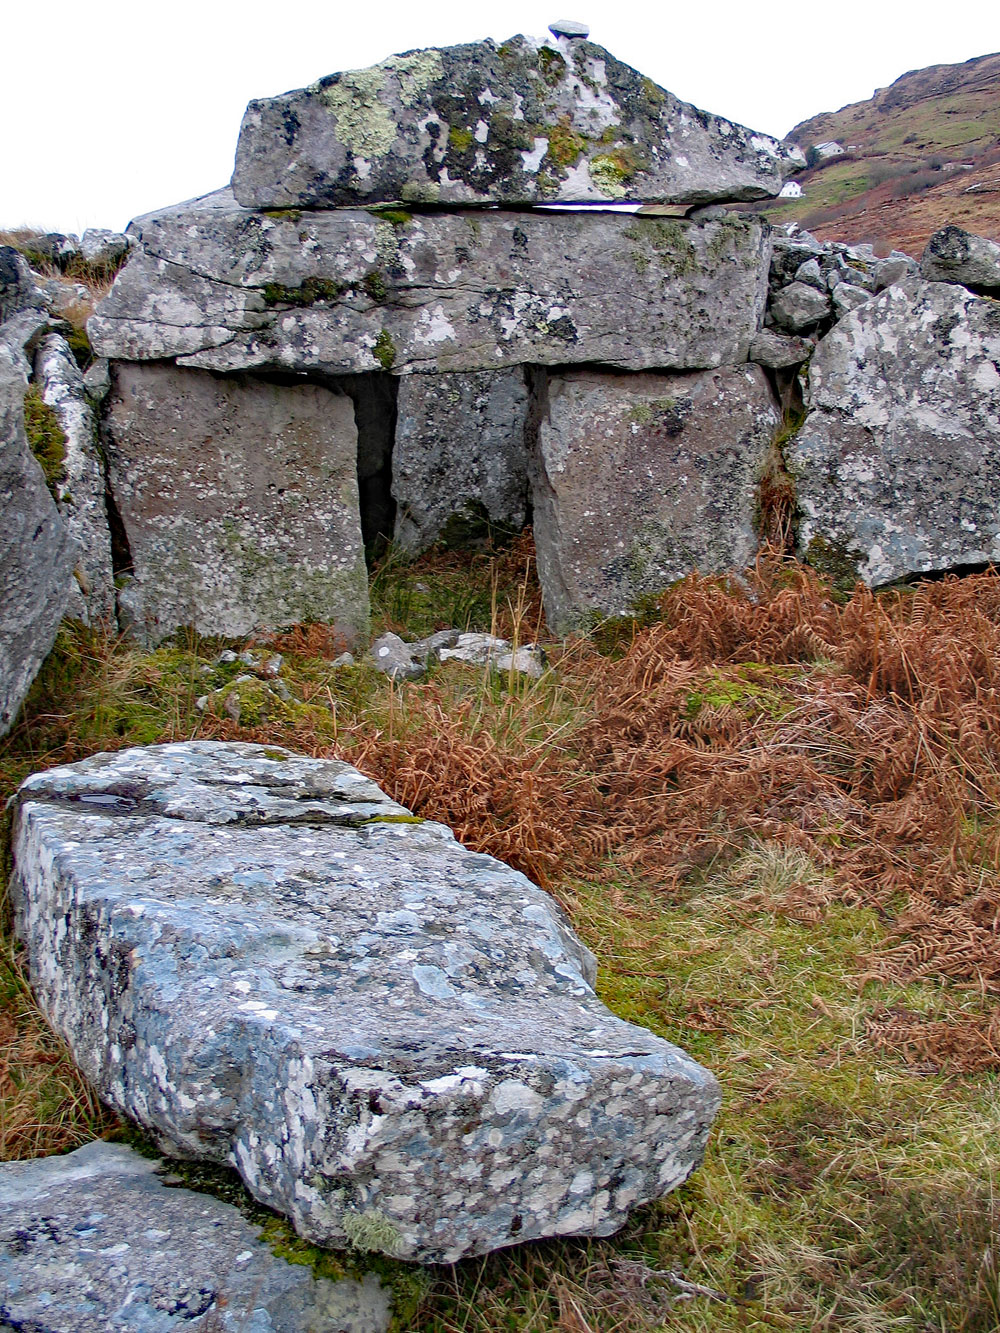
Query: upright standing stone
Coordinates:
[521,123]
[897,466]
[461,455]
[240,502]
[642,478]
[37,553]
[80,497]
[394,1040]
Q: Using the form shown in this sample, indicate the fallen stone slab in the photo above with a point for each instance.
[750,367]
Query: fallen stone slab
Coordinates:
[518,123]
[37,554]
[97,1241]
[897,466]
[641,479]
[394,1040]
[239,499]
[223,288]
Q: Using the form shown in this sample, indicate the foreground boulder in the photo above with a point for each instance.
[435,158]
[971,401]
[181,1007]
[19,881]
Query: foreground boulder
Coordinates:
[395,1041]
[520,123]
[97,1242]
[222,288]
[37,554]
[239,499]
[642,478]
[897,466]
[954,255]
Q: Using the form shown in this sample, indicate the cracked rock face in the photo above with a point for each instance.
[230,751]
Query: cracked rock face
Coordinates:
[96,1242]
[394,1040]
[894,467]
[220,287]
[520,123]
[239,498]
[642,478]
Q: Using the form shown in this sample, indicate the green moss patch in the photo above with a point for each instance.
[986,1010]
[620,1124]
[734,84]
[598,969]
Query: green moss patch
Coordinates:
[46,438]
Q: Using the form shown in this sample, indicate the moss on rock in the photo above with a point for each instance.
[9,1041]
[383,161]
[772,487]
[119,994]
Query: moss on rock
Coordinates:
[46,438]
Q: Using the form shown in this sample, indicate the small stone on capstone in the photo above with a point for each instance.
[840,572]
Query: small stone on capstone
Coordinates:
[569,28]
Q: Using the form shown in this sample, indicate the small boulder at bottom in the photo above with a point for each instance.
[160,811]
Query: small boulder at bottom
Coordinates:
[98,1241]
[395,1041]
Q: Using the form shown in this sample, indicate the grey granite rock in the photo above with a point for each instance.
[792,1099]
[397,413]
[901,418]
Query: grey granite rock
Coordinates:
[37,554]
[811,274]
[338,292]
[777,350]
[395,659]
[799,307]
[239,498]
[897,466]
[17,284]
[643,478]
[98,1241]
[80,494]
[893,269]
[954,255]
[102,247]
[520,123]
[847,297]
[394,1040]
[460,459]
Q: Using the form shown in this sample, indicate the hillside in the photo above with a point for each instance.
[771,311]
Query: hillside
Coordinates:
[919,154]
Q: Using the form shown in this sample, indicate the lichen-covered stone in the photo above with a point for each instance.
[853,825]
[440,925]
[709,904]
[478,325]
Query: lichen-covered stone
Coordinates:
[520,123]
[897,466]
[239,498]
[641,479]
[460,460]
[954,255]
[80,492]
[394,1040]
[17,285]
[37,553]
[98,1241]
[798,307]
[223,288]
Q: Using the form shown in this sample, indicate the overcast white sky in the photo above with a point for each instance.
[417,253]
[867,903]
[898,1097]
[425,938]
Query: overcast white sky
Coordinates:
[110,110]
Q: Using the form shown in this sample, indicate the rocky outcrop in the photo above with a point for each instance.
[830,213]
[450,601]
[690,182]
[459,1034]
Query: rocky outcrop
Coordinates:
[239,498]
[98,1241]
[17,285]
[897,466]
[220,287]
[80,492]
[643,478]
[395,1041]
[954,255]
[460,462]
[520,123]
[36,552]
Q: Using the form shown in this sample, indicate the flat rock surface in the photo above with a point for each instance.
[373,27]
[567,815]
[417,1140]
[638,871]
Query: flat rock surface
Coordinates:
[394,1040]
[96,1242]
[519,123]
[36,552]
[897,466]
[220,287]
[239,498]
[643,478]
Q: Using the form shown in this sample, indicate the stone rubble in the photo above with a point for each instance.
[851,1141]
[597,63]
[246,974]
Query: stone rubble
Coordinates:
[396,1042]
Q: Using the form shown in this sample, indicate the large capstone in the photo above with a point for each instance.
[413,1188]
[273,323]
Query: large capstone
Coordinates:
[395,1041]
[897,466]
[460,462]
[642,478]
[37,554]
[239,499]
[520,123]
[98,1241]
[223,288]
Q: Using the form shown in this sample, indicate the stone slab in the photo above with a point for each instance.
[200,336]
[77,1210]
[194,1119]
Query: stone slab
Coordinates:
[641,479]
[394,1040]
[37,554]
[97,1241]
[520,123]
[460,459]
[897,466]
[239,498]
[223,288]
